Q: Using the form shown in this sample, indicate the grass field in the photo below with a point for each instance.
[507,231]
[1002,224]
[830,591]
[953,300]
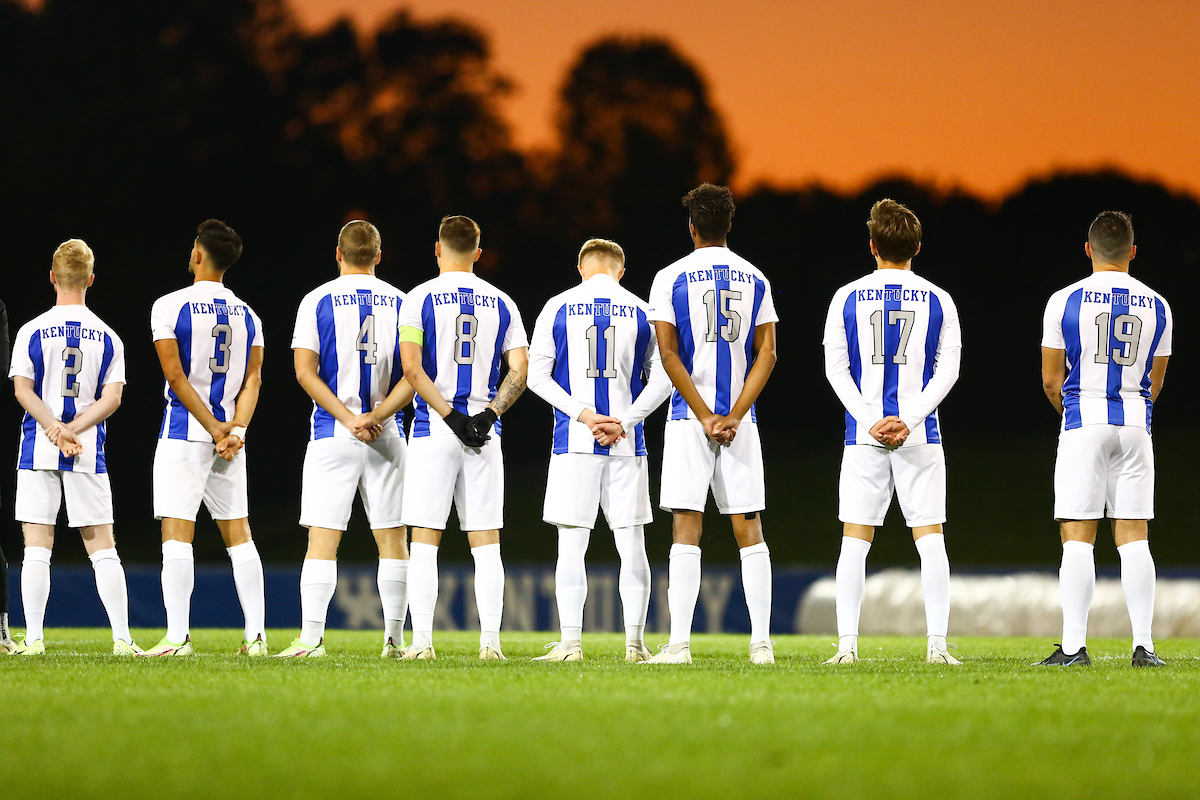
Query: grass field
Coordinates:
[82,724]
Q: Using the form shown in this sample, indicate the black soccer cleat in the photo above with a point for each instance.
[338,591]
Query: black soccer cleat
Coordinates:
[1145,658]
[1060,659]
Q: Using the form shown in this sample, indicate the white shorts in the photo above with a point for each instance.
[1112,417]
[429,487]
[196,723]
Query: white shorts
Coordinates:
[579,484]
[692,465]
[335,469]
[916,474]
[187,472]
[441,470]
[40,493]
[1104,467]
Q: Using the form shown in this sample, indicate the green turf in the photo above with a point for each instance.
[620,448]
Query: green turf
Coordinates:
[82,724]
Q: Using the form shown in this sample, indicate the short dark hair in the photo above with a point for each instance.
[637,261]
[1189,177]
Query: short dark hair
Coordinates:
[1111,236]
[710,209]
[895,230]
[460,234]
[221,242]
[360,243]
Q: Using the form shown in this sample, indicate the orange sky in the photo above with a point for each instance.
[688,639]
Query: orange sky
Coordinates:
[978,93]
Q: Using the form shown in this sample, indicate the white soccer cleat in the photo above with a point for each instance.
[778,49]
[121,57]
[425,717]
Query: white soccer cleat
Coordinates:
[671,654]
[124,648]
[255,649]
[938,655]
[393,650]
[562,651]
[489,653]
[8,647]
[762,652]
[848,656]
[167,649]
[424,654]
[637,653]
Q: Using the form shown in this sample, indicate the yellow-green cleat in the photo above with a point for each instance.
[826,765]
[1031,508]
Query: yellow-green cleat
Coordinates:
[168,649]
[426,653]
[393,650]
[255,649]
[34,648]
[124,648]
[298,649]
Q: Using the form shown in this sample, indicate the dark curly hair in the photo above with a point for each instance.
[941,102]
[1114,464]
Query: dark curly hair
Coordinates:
[711,210]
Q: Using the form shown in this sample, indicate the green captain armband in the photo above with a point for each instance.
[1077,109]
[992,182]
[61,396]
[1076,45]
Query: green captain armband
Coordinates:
[410,334]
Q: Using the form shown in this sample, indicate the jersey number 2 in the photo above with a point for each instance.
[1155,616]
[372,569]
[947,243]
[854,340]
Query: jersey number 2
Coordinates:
[72,364]
[905,320]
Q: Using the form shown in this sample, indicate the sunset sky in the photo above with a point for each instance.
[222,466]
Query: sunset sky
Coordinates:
[980,94]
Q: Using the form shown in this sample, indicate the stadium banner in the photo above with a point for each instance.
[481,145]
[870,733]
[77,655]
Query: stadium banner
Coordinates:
[982,604]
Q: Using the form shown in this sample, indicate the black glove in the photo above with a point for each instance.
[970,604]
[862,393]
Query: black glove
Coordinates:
[460,423]
[482,424]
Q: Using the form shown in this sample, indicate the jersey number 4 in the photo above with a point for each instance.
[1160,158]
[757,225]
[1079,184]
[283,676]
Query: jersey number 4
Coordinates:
[905,320]
[366,340]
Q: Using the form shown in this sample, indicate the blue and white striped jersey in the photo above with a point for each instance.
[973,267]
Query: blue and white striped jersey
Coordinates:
[70,354]
[715,299]
[467,325]
[892,348]
[597,344]
[1112,326]
[350,323]
[215,331]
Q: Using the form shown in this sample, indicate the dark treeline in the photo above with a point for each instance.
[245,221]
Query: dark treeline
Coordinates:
[127,122]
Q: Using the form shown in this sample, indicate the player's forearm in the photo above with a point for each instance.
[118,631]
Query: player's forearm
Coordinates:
[945,375]
[247,401]
[192,401]
[682,381]
[1158,374]
[324,397]
[400,396]
[29,400]
[756,381]
[656,391]
[541,382]
[511,388]
[102,409]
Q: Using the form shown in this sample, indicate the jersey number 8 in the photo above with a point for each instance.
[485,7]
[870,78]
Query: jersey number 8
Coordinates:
[465,326]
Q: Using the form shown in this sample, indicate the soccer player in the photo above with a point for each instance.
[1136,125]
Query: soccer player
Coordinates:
[454,331]
[348,360]
[593,350]
[1105,344]
[892,347]
[715,320]
[7,645]
[210,347]
[68,369]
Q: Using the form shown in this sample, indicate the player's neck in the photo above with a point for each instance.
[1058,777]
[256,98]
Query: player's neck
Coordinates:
[881,264]
[71,297]
[346,269]
[446,265]
[1098,266]
[209,276]
[699,244]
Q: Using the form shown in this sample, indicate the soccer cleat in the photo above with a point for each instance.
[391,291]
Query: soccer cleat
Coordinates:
[489,653]
[426,653]
[938,655]
[34,648]
[636,653]
[1146,658]
[562,651]
[1060,659]
[255,649]
[393,650]
[847,656]
[8,647]
[762,652]
[672,654]
[167,649]
[124,648]
[298,649]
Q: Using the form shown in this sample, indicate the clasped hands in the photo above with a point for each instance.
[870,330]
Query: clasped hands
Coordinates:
[890,432]
[608,431]
[65,438]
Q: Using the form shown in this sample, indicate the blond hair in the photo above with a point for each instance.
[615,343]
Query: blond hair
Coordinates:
[73,263]
[602,247]
[360,243]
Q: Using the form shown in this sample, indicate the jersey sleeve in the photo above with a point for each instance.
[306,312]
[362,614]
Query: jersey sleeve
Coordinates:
[259,340]
[515,336]
[766,312]
[409,315]
[542,342]
[116,368]
[162,320]
[661,308]
[22,365]
[1052,332]
[305,335]
[837,363]
[1164,342]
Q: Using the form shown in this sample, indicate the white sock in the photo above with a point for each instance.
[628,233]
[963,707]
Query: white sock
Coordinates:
[683,589]
[851,578]
[318,581]
[35,591]
[248,578]
[570,580]
[422,591]
[1137,579]
[634,581]
[935,584]
[110,585]
[393,594]
[1076,585]
[756,583]
[178,580]
[489,592]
